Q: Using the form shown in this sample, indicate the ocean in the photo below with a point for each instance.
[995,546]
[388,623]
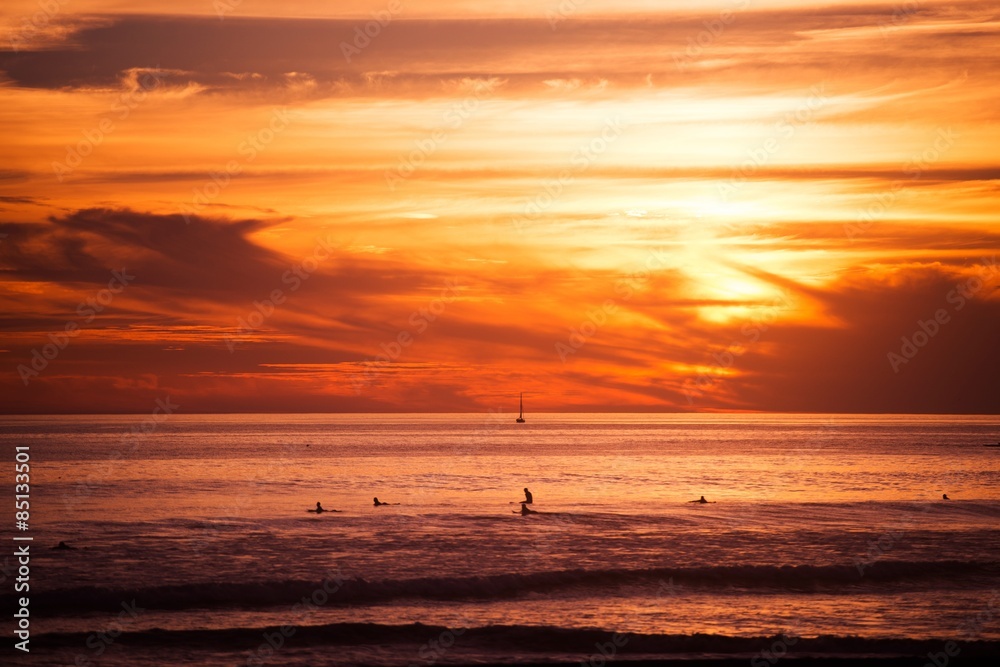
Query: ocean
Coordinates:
[824,535]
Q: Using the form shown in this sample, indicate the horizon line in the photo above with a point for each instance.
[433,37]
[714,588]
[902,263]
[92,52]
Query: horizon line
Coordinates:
[541,412]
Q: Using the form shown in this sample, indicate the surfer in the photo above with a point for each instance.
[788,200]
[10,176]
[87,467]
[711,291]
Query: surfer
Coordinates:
[524,510]
[528,500]
[319,509]
[64,547]
[944,496]
[701,501]
[379,503]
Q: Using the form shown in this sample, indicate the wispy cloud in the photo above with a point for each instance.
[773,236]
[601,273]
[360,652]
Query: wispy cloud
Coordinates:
[797,243]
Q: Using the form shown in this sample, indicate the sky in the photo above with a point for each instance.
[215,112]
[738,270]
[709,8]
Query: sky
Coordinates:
[305,206]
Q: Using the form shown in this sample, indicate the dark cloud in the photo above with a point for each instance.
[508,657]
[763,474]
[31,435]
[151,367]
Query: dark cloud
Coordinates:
[837,361]
[169,251]
[185,264]
[935,243]
[261,53]
[874,177]
[844,365]
[19,200]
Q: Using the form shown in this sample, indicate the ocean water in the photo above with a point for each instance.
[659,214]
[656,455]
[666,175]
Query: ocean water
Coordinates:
[826,535]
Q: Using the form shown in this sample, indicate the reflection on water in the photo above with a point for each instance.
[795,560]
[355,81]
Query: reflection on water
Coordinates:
[820,525]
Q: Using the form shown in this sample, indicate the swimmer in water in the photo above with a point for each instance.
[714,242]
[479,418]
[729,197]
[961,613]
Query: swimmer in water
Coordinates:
[319,509]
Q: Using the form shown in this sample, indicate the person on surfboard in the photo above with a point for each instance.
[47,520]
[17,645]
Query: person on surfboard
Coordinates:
[528,500]
[319,509]
[379,503]
[701,501]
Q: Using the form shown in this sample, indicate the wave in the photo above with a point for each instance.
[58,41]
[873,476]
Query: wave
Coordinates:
[788,578]
[501,640]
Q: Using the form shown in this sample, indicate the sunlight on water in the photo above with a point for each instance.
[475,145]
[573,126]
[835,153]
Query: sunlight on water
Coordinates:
[816,525]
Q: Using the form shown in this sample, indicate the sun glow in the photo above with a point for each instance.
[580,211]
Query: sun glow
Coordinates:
[589,182]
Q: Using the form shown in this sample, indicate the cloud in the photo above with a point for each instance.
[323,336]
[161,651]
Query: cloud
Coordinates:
[526,52]
[845,366]
[491,112]
[209,256]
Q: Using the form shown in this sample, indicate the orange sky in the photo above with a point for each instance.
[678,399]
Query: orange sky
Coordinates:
[606,205]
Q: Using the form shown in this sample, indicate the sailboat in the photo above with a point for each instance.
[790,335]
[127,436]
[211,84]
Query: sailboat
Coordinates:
[520,417]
